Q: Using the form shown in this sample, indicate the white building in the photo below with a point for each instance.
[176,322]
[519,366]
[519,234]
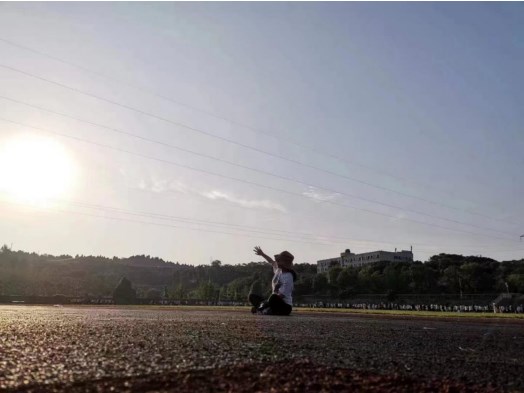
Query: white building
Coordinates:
[324,264]
[347,258]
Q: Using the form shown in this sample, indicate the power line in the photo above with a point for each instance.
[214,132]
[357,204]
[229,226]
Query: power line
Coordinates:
[298,181]
[240,233]
[241,180]
[254,229]
[208,113]
[305,214]
[208,222]
[153,93]
[416,244]
[249,227]
[178,124]
[245,181]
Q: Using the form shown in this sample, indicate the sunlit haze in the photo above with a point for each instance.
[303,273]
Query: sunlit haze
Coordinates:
[35,169]
[195,131]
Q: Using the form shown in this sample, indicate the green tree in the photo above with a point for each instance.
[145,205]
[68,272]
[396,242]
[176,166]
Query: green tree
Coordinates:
[206,291]
[154,294]
[320,283]
[333,275]
[124,292]
[5,249]
[238,289]
[344,279]
[392,278]
[258,288]
[180,292]
[303,286]
[474,277]
[424,278]
[516,282]
[450,279]
[347,282]
[370,280]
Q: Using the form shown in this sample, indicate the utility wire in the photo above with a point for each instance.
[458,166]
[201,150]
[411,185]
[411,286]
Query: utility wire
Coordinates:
[246,181]
[303,214]
[208,113]
[249,227]
[153,93]
[240,233]
[216,223]
[223,139]
[298,181]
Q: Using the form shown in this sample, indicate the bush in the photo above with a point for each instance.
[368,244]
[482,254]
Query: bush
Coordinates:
[124,292]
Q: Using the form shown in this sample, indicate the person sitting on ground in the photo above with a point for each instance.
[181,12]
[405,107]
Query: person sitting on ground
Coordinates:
[281,300]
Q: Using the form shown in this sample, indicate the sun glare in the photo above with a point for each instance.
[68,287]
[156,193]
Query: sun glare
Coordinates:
[34,169]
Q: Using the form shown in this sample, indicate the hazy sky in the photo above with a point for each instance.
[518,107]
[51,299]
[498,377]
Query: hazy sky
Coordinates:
[366,126]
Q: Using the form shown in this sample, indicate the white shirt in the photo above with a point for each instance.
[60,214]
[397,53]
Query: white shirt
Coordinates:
[282,284]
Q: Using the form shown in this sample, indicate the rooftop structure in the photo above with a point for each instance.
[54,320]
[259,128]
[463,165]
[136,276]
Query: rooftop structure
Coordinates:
[347,258]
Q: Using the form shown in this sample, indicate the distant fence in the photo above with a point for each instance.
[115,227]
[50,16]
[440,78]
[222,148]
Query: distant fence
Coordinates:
[56,299]
[498,303]
[61,299]
[483,299]
[365,301]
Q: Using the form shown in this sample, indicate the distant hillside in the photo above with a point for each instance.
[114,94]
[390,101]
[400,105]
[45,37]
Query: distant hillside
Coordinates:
[23,273]
[31,274]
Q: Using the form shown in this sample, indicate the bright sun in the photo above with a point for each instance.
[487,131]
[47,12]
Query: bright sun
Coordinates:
[35,168]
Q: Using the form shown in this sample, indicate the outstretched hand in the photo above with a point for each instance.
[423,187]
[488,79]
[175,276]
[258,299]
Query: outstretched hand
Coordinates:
[258,250]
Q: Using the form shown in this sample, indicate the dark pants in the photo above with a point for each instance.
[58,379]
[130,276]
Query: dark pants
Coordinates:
[275,303]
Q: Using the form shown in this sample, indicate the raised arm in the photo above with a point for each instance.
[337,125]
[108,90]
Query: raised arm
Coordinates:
[259,251]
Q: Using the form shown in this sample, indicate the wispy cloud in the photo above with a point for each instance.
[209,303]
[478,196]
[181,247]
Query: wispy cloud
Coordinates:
[159,185]
[142,184]
[313,193]
[397,217]
[250,203]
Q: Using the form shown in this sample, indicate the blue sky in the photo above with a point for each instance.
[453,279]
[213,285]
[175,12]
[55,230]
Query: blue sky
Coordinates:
[400,122]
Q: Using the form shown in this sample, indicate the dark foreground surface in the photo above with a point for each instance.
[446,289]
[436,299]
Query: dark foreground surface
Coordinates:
[141,349]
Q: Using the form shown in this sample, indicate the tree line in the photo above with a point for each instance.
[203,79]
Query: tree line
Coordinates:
[32,274]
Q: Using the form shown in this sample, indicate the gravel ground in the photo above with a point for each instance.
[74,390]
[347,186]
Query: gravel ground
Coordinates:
[154,349]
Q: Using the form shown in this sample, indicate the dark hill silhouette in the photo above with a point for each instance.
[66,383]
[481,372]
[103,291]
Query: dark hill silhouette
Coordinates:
[30,274]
